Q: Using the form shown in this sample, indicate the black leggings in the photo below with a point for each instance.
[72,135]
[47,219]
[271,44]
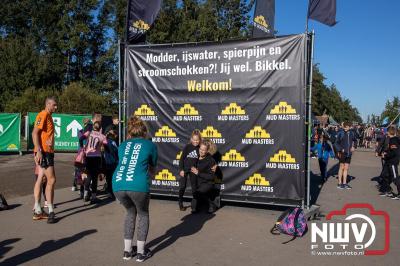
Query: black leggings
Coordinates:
[183,182]
[93,165]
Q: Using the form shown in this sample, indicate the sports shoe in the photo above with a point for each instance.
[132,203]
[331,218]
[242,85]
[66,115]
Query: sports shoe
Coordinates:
[346,186]
[382,194]
[39,216]
[390,194]
[129,255]
[142,257]
[340,186]
[52,218]
[74,188]
[395,197]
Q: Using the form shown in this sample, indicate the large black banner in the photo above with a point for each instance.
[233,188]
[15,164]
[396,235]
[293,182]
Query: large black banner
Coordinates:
[247,96]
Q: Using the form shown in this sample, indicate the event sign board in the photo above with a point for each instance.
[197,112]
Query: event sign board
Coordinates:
[248,97]
[66,127]
[10,139]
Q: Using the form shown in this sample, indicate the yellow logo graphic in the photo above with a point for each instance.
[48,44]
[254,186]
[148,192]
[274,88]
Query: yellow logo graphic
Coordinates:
[282,157]
[187,109]
[261,20]
[210,132]
[258,133]
[140,24]
[12,147]
[283,108]
[144,110]
[233,109]
[179,155]
[256,180]
[165,131]
[233,155]
[165,175]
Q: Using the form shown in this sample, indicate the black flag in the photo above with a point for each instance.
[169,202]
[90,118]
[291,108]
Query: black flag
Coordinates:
[323,11]
[141,15]
[264,17]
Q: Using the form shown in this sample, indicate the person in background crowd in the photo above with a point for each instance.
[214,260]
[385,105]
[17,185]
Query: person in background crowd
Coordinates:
[189,158]
[43,140]
[110,160]
[390,156]
[345,147]
[94,146]
[324,151]
[381,146]
[114,127]
[205,177]
[131,181]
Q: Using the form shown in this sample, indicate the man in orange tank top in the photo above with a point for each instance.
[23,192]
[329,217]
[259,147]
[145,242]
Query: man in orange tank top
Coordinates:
[43,139]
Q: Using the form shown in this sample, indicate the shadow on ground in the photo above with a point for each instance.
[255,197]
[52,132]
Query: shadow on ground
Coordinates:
[5,246]
[45,248]
[191,224]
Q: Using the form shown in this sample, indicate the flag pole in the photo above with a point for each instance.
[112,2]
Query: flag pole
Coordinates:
[309,103]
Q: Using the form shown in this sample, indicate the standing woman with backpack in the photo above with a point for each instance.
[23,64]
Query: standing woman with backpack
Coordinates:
[131,181]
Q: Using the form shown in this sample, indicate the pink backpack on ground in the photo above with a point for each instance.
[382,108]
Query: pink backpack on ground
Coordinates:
[292,222]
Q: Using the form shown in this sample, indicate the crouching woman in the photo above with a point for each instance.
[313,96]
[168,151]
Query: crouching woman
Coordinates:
[205,177]
[131,180]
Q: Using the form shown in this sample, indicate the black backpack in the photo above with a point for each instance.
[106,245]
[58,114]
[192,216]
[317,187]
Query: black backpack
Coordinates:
[3,203]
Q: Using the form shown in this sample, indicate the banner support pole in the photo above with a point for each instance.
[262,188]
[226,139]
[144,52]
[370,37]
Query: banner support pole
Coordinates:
[119,92]
[309,102]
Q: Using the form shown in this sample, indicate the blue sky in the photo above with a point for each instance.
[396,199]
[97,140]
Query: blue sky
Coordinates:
[360,54]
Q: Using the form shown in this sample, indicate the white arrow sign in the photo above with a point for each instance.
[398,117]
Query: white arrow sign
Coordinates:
[74,126]
[1,129]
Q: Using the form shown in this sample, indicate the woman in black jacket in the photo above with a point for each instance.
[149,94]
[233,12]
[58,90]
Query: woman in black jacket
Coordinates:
[205,177]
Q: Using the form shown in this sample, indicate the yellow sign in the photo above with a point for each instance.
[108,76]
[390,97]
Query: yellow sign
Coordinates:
[256,180]
[233,155]
[261,20]
[144,110]
[187,109]
[165,131]
[179,155]
[283,108]
[210,132]
[258,133]
[282,157]
[233,109]
[12,147]
[140,24]
[165,175]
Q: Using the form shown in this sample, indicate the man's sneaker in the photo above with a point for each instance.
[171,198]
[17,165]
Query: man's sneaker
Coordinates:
[382,194]
[142,257]
[52,218]
[39,216]
[340,186]
[346,186]
[395,197]
[74,188]
[390,194]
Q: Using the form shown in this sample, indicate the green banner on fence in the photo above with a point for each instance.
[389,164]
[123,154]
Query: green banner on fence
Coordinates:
[10,132]
[66,129]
